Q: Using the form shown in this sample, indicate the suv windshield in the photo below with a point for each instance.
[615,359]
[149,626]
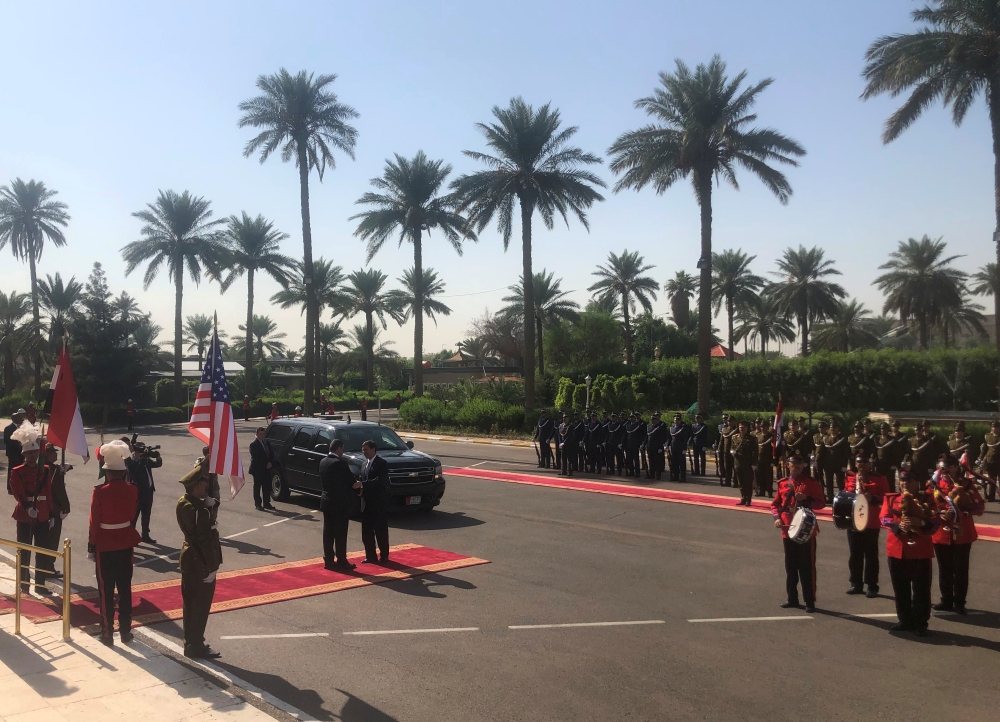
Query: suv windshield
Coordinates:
[385,438]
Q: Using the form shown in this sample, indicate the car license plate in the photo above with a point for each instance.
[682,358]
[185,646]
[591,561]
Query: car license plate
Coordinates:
[412,500]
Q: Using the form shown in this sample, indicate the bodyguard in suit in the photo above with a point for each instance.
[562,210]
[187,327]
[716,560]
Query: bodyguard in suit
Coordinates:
[340,490]
[261,463]
[375,515]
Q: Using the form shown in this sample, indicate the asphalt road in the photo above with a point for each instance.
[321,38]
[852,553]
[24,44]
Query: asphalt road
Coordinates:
[567,557]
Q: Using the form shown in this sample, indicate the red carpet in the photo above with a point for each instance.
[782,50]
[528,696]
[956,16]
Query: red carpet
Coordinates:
[759,506]
[160,601]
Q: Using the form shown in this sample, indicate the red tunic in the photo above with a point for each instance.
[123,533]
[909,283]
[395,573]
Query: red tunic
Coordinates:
[784,504]
[112,508]
[877,486]
[31,493]
[967,527]
[896,545]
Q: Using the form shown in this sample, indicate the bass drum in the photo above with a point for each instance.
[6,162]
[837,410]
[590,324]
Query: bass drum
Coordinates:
[862,509]
[843,510]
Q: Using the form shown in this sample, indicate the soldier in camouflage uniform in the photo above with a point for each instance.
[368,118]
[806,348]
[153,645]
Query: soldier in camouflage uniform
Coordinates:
[744,453]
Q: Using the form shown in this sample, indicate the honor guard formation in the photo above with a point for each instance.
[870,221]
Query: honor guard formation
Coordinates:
[923,490]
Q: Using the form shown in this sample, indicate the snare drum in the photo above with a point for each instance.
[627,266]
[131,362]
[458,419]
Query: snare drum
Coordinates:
[803,526]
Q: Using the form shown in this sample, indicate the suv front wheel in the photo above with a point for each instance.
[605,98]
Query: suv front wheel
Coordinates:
[279,489]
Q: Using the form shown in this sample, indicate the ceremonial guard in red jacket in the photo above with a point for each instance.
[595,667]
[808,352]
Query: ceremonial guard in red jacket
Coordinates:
[958,500]
[910,518]
[798,491]
[112,538]
[863,561]
[31,487]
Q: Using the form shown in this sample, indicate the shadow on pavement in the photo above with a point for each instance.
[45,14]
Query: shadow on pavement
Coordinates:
[988,620]
[243,547]
[433,521]
[424,585]
[937,637]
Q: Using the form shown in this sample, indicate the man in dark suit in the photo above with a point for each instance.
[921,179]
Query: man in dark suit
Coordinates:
[336,504]
[375,516]
[261,463]
[140,466]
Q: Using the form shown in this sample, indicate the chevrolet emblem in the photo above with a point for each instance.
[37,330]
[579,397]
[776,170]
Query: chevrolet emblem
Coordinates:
[414,474]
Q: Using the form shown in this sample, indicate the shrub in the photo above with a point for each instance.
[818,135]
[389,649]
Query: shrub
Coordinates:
[426,412]
[486,416]
[10,404]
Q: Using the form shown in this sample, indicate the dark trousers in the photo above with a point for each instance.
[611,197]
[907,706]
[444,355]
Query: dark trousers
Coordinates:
[744,479]
[699,461]
[545,453]
[800,568]
[567,462]
[953,572]
[558,455]
[334,537]
[911,583]
[36,533]
[764,477]
[261,490]
[114,572]
[832,475]
[863,561]
[144,509]
[375,528]
[197,603]
[678,464]
[131,423]
[246,414]
[52,538]
[643,458]
[619,460]
[656,463]
[364,414]
[632,461]
[727,469]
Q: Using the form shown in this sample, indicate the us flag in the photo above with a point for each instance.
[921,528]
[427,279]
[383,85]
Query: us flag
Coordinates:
[212,420]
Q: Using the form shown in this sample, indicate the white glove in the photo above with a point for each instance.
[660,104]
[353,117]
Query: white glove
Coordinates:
[91,557]
[63,514]
[215,526]
[52,522]
[33,513]
[210,578]
[210,501]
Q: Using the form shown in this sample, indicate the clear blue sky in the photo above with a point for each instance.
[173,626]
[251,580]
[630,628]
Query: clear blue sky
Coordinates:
[109,102]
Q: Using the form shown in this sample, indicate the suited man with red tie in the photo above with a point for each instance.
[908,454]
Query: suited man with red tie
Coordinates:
[375,516]
[112,539]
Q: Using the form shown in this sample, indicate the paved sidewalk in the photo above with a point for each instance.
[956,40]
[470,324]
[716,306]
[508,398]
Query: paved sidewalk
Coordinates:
[465,439]
[43,679]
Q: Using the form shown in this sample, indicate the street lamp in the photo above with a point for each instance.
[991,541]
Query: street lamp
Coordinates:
[587,380]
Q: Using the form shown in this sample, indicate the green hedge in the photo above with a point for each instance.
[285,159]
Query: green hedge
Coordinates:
[482,415]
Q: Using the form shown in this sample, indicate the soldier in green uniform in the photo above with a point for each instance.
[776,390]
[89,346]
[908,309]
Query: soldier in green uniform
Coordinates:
[922,454]
[961,443]
[991,458]
[819,450]
[201,556]
[806,445]
[744,453]
[726,449]
[888,455]
[791,438]
[765,460]
[838,454]
[861,445]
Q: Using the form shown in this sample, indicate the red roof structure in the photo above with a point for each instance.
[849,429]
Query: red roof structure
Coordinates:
[721,351]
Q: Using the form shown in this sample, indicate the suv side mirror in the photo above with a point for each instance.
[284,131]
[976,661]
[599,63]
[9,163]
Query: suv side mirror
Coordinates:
[409,444]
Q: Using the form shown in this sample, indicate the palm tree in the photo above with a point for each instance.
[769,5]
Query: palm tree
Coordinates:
[622,279]
[252,245]
[702,133]
[13,308]
[804,294]
[474,347]
[965,316]
[986,282]
[409,204]
[733,284]
[763,319]
[197,333]
[59,299]
[369,354]
[332,341]
[534,165]
[364,294]
[177,230]
[919,283]
[551,305]
[29,216]
[954,58]
[145,334]
[849,327]
[680,289]
[300,115]
[264,339]
[420,295]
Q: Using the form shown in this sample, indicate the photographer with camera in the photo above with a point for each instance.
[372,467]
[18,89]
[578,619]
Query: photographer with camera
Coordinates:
[140,465]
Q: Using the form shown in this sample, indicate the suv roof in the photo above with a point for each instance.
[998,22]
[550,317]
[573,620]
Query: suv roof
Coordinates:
[324,422]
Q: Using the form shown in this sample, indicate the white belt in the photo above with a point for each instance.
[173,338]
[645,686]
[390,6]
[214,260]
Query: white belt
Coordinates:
[116,526]
[36,498]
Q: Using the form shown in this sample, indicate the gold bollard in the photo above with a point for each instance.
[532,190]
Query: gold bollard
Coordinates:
[67,588]
[17,591]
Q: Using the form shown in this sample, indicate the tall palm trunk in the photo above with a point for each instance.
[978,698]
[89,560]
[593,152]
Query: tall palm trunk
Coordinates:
[924,332]
[527,207]
[627,328]
[320,367]
[418,315]
[307,272]
[8,370]
[178,330]
[248,380]
[370,353]
[993,101]
[804,328]
[38,322]
[729,311]
[541,354]
[704,186]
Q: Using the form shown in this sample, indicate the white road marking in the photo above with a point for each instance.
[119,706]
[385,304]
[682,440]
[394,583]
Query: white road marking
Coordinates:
[158,557]
[473,466]
[240,533]
[287,518]
[751,619]
[411,631]
[276,636]
[500,443]
[869,616]
[433,438]
[584,624]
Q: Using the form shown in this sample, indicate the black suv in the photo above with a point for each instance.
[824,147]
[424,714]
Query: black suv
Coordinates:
[415,479]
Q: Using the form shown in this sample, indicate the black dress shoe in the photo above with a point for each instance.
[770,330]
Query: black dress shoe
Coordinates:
[383,561]
[345,565]
[790,605]
[44,591]
[942,607]
[810,609]
[259,508]
[856,590]
[268,507]
[922,632]
[148,539]
[371,561]
[107,641]
[900,627]
[872,592]
[205,652]
[960,609]
[127,637]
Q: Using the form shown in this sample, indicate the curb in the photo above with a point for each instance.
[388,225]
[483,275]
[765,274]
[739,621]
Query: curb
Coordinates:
[465,439]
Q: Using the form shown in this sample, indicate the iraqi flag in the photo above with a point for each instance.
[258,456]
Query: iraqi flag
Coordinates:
[63,408]
[212,420]
[779,440]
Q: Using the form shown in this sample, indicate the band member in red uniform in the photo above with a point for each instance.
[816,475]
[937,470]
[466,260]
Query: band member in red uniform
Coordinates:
[863,561]
[30,485]
[112,537]
[794,491]
[953,539]
[909,517]
[246,408]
